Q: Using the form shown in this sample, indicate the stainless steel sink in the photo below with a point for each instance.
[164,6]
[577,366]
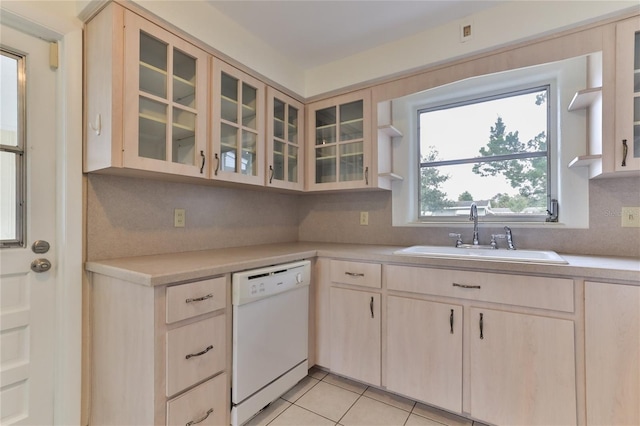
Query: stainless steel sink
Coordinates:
[483,253]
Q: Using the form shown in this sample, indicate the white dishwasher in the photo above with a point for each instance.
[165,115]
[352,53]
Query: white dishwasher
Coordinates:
[270,334]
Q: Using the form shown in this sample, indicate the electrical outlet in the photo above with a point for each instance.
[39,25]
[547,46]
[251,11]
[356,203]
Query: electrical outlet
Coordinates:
[179,218]
[630,217]
[364,218]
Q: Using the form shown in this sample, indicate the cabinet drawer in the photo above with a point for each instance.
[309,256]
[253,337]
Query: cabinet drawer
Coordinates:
[195,352]
[206,401]
[534,292]
[357,273]
[189,300]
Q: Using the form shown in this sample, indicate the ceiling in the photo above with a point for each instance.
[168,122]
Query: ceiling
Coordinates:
[314,32]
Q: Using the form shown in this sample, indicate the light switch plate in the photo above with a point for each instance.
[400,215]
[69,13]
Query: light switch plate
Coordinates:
[630,217]
[179,218]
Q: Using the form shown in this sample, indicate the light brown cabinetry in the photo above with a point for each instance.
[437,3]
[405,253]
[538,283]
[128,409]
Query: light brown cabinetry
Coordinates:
[627,112]
[285,141]
[515,362]
[146,97]
[612,346]
[237,123]
[339,142]
[522,368]
[355,334]
[348,318]
[159,354]
[424,351]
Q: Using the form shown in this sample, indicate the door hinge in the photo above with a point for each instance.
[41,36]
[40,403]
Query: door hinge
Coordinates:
[53,55]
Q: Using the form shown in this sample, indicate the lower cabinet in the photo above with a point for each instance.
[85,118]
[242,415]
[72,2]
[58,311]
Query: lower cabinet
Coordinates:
[159,355]
[424,351]
[356,334]
[612,353]
[522,368]
[497,347]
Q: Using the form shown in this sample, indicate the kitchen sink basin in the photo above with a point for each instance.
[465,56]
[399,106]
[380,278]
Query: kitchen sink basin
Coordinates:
[484,253]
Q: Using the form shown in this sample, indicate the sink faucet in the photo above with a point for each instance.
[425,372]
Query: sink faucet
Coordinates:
[473,215]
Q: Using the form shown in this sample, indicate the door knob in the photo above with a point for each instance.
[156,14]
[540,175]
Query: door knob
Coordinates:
[40,265]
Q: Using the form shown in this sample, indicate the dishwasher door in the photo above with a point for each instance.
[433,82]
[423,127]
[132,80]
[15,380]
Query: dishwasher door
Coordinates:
[269,339]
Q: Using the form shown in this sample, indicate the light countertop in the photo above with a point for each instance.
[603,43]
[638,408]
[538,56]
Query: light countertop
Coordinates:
[185,266]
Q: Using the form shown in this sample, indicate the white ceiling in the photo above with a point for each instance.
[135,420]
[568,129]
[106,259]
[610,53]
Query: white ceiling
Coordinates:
[315,32]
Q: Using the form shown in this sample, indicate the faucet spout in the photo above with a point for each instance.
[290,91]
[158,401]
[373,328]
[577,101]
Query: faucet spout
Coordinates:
[473,215]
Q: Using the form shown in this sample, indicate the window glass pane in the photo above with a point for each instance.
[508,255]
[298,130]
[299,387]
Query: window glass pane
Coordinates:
[152,127]
[449,190]
[184,79]
[509,133]
[292,127]
[12,85]
[9,196]
[278,118]
[293,163]
[9,96]
[494,127]
[326,126]
[278,160]
[229,99]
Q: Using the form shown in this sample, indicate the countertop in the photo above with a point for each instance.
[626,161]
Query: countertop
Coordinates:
[185,266]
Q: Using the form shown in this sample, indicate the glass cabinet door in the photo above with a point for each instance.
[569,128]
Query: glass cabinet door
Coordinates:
[628,95]
[238,135]
[284,152]
[341,141]
[171,109]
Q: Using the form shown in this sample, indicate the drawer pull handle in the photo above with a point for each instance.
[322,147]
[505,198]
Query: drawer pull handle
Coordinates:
[625,151]
[451,321]
[199,299]
[466,286]
[354,274]
[481,327]
[200,353]
[203,160]
[195,422]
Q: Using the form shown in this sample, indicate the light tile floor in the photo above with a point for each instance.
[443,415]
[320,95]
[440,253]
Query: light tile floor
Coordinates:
[326,399]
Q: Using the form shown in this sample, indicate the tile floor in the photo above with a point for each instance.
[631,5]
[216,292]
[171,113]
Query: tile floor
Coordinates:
[326,399]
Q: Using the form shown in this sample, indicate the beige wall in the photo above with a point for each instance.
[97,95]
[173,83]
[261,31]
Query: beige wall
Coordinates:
[129,217]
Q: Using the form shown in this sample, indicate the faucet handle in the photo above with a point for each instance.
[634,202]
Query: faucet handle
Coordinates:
[458,238]
[509,238]
[494,237]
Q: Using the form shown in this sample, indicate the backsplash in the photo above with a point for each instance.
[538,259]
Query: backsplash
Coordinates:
[335,218]
[131,217]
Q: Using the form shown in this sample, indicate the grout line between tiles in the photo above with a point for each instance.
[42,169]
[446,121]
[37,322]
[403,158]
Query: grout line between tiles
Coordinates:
[349,409]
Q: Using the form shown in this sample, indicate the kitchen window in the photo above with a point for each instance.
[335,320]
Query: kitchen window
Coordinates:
[492,150]
[512,164]
[12,161]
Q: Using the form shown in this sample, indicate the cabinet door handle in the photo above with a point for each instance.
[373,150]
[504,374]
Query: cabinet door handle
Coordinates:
[354,274]
[466,286]
[207,349]
[371,306]
[625,151]
[203,160]
[366,175]
[215,172]
[270,174]
[199,299]
[481,327]
[451,321]
[200,420]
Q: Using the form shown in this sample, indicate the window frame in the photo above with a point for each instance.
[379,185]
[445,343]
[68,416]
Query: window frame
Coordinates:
[567,75]
[19,151]
[486,96]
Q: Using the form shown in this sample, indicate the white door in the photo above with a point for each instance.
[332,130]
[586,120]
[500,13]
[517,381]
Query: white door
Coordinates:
[27,302]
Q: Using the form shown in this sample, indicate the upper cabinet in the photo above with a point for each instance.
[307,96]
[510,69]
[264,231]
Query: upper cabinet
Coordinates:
[285,136]
[627,118]
[146,97]
[339,142]
[237,126]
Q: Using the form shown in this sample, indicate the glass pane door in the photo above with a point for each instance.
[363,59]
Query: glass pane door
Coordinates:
[284,161]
